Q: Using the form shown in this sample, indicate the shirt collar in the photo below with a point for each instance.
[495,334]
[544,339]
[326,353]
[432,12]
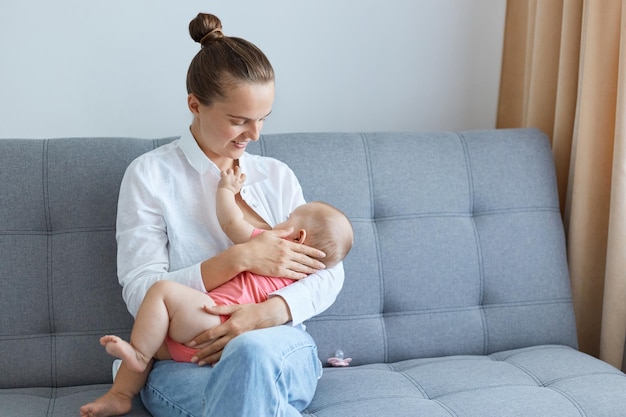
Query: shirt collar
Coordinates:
[198,160]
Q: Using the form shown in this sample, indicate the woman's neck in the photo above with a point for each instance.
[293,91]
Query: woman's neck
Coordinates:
[222,163]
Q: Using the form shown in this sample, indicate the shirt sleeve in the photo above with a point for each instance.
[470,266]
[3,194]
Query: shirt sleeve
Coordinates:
[310,296]
[142,242]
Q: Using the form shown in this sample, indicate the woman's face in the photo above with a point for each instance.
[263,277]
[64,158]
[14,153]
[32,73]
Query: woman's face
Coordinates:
[224,129]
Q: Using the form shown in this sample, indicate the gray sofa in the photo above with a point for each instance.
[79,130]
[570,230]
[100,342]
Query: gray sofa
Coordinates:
[456,300]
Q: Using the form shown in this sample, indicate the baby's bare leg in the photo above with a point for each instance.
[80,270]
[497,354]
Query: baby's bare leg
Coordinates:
[118,400]
[173,309]
[168,308]
[148,332]
[187,315]
[133,358]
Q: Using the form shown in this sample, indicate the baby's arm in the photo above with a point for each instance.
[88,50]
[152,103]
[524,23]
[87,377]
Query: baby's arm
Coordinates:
[229,214]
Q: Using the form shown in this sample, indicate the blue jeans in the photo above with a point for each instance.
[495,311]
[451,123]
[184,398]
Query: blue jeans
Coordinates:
[268,372]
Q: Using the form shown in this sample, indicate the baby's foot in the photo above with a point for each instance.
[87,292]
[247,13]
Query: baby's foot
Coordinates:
[116,346]
[110,404]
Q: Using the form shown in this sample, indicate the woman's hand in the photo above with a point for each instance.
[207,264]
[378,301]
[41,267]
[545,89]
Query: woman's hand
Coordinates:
[266,254]
[271,254]
[243,318]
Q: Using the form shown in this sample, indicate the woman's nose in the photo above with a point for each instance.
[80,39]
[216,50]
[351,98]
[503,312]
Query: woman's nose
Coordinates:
[255,130]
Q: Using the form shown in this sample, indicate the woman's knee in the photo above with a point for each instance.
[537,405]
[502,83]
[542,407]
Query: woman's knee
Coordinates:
[275,343]
[247,346]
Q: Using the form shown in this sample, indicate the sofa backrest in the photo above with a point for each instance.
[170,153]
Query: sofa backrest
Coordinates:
[459,244]
[458,249]
[58,285]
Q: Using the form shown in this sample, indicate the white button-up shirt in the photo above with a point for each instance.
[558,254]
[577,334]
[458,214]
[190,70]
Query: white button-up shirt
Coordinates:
[167,225]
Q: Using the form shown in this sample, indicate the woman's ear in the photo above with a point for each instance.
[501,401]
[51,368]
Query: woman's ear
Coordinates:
[194,104]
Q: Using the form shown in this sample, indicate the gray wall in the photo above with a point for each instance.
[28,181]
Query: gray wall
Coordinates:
[117,67]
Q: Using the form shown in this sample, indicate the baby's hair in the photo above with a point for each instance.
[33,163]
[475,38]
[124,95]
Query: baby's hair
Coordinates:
[223,61]
[330,231]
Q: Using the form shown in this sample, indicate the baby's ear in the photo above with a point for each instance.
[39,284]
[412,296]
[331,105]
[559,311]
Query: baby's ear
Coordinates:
[300,236]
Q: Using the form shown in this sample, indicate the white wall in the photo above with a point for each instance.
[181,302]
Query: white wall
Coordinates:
[117,67]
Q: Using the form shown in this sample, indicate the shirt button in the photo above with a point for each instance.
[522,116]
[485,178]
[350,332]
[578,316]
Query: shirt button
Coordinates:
[255,204]
[244,191]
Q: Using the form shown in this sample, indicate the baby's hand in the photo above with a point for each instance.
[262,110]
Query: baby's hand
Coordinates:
[232,179]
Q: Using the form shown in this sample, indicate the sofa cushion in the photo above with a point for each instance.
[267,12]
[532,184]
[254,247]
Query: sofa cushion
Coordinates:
[543,381]
[61,402]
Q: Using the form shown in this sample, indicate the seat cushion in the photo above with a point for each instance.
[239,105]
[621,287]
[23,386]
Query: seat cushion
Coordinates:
[550,381]
[60,402]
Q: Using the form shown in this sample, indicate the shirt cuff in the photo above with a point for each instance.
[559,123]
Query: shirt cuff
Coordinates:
[298,299]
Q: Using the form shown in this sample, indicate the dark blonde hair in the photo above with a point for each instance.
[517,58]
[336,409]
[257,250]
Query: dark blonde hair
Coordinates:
[223,61]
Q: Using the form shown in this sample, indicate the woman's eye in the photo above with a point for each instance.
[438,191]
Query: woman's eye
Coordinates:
[243,122]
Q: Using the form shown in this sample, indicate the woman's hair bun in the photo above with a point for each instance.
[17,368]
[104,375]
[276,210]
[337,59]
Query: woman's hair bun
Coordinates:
[205,28]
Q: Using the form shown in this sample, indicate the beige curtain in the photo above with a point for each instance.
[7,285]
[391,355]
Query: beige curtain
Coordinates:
[564,72]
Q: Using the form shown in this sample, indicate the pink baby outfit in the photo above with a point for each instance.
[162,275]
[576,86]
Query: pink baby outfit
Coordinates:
[242,289]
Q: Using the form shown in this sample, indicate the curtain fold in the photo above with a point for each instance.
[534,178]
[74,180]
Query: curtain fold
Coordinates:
[614,312]
[561,73]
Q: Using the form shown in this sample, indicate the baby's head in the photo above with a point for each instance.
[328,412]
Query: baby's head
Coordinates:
[324,227]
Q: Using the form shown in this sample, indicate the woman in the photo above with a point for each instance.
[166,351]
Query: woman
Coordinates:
[167,229]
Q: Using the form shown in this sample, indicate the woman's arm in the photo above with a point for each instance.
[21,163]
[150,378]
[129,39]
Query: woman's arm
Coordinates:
[142,240]
[311,296]
[265,254]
